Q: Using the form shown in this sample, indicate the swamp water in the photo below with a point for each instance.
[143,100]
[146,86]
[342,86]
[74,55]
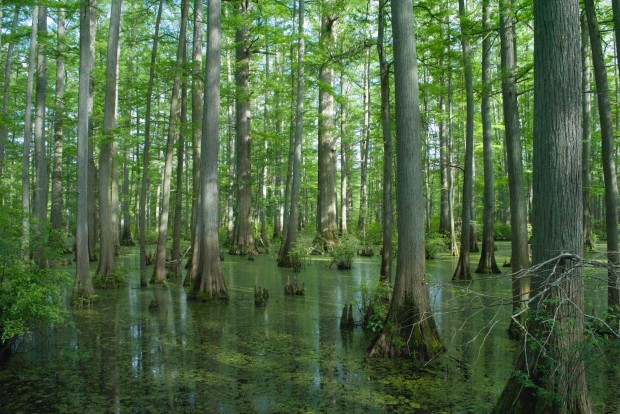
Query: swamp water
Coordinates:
[123,356]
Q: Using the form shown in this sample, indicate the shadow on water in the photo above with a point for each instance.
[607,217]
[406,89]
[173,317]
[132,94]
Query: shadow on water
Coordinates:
[153,351]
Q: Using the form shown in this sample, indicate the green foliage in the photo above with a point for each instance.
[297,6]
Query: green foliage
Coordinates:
[374,233]
[299,253]
[114,280]
[29,297]
[434,244]
[374,303]
[343,253]
[502,231]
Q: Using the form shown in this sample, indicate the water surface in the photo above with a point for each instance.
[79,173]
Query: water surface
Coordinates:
[123,356]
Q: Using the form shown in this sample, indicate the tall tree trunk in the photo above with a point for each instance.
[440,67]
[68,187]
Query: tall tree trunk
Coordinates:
[291,137]
[444,169]
[608,156]
[28,137]
[197,87]
[586,105]
[159,269]
[327,224]
[462,271]
[520,258]
[56,213]
[6,87]
[409,329]
[344,160]
[92,169]
[232,154]
[107,244]
[243,240]
[126,239]
[487,262]
[386,129]
[209,281]
[550,377]
[178,201]
[264,171]
[147,148]
[284,259]
[364,153]
[83,287]
[41,191]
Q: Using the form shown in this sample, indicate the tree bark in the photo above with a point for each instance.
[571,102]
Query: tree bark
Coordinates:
[386,129]
[487,263]
[27,138]
[83,287]
[462,271]
[178,201]
[56,213]
[586,105]
[364,153]
[608,157]
[284,259]
[552,379]
[344,160]
[6,88]
[197,86]
[209,281]
[159,268]
[147,148]
[92,169]
[327,224]
[243,240]
[41,191]
[409,320]
[107,244]
[520,258]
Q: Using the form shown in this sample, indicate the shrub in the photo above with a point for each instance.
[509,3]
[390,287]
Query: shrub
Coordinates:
[374,304]
[434,244]
[343,253]
[29,297]
[502,231]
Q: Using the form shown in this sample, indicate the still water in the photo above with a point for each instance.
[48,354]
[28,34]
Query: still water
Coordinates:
[123,356]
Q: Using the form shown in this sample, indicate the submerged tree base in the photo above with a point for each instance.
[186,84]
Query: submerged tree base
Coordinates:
[221,297]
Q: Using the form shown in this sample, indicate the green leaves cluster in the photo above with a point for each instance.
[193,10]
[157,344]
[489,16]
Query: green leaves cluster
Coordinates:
[29,296]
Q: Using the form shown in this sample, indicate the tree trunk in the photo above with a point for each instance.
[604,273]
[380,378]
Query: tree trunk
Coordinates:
[284,260]
[83,287]
[386,129]
[462,271]
[327,224]
[552,379]
[520,258]
[56,213]
[344,161]
[27,138]
[107,244]
[487,262]
[364,153]
[608,156]
[586,105]
[178,202]
[209,281]
[92,169]
[159,269]
[41,191]
[196,131]
[6,88]
[243,240]
[147,148]
[409,320]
